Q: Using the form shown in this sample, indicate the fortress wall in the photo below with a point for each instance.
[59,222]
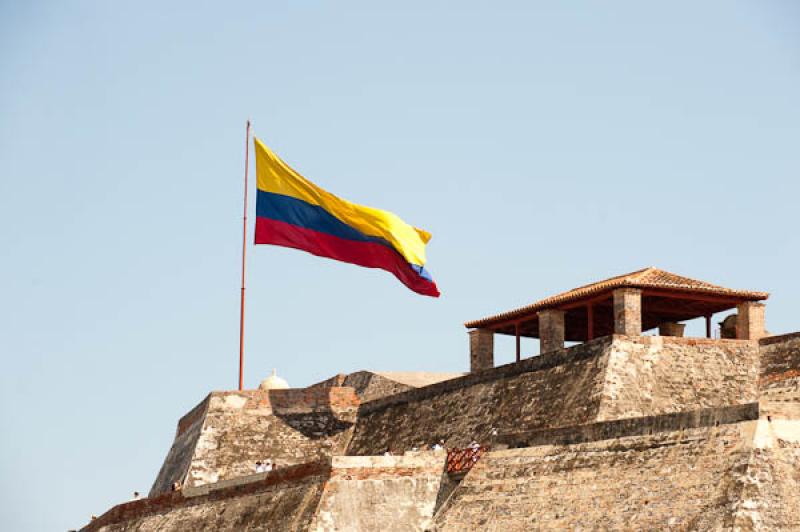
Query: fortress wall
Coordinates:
[235,429]
[780,376]
[651,375]
[388,493]
[287,426]
[342,493]
[638,426]
[283,501]
[689,479]
[554,389]
[179,457]
[370,386]
[608,378]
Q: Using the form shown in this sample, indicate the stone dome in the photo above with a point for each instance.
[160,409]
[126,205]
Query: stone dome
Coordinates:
[273,382]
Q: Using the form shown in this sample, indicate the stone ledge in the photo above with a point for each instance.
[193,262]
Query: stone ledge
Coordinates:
[779,338]
[638,426]
[537,363]
[170,501]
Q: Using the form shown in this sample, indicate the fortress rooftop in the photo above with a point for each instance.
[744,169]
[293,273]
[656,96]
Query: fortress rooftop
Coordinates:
[626,304]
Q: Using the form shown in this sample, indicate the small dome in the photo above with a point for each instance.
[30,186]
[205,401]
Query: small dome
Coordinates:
[273,382]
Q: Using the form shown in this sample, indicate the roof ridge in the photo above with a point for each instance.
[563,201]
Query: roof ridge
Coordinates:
[646,278]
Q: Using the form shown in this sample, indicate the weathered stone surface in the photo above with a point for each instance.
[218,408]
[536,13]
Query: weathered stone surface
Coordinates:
[623,432]
[560,388]
[780,376]
[394,493]
[224,436]
[551,330]
[283,501]
[733,476]
[387,493]
[750,321]
[481,350]
[628,311]
[649,375]
[608,378]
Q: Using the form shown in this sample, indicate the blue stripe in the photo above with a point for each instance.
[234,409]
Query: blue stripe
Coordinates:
[297,212]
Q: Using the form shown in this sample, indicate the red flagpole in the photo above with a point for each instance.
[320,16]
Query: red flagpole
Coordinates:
[244,255]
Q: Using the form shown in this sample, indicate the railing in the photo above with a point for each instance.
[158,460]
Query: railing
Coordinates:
[459,461]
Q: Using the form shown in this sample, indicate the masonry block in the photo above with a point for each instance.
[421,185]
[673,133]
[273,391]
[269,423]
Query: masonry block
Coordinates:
[628,311]
[750,321]
[551,330]
[481,350]
[671,329]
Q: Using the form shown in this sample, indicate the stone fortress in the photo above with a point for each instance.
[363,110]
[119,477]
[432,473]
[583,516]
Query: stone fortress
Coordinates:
[617,431]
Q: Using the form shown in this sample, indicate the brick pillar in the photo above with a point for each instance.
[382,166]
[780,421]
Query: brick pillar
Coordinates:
[750,321]
[481,350]
[551,330]
[628,311]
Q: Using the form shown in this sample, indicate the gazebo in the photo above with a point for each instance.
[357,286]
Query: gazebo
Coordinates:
[627,304]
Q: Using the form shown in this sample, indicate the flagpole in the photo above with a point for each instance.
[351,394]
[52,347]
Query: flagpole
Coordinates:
[244,255]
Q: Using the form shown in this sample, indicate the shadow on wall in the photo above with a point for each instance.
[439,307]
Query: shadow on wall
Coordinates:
[318,425]
[316,413]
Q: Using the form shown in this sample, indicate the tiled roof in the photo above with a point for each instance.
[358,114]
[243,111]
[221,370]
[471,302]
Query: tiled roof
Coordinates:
[647,278]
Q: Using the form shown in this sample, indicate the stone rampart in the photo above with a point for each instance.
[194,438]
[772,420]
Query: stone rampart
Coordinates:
[284,500]
[638,426]
[558,388]
[228,432]
[732,476]
[388,493]
[651,375]
[370,385]
[608,378]
[393,493]
[780,375]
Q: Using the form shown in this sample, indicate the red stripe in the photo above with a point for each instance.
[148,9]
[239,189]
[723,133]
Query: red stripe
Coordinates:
[367,254]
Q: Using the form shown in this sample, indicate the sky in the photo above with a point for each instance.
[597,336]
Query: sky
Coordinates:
[545,145]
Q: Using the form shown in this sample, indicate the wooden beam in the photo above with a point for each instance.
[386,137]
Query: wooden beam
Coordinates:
[516,330]
[708,326]
[589,322]
[692,296]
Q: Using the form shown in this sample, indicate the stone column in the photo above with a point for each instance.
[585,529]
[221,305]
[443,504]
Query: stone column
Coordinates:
[551,330]
[750,321]
[628,311]
[481,350]
[671,329]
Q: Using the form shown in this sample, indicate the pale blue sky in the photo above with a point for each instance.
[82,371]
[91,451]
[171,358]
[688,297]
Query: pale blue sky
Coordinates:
[545,145]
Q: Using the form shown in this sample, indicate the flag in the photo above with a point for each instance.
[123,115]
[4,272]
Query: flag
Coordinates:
[294,212]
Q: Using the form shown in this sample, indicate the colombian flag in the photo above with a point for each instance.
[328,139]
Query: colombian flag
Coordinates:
[293,212]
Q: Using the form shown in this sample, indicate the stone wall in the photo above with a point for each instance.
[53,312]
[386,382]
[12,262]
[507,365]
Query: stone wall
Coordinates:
[235,429]
[283,501]
[608,378]
[176,464]
[780,375]
[343,493]
[559,388]
[370,386]
[651,375]
[735,475]
[386,493]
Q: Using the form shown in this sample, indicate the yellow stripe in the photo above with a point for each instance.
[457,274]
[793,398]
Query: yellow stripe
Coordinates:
[274,175]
